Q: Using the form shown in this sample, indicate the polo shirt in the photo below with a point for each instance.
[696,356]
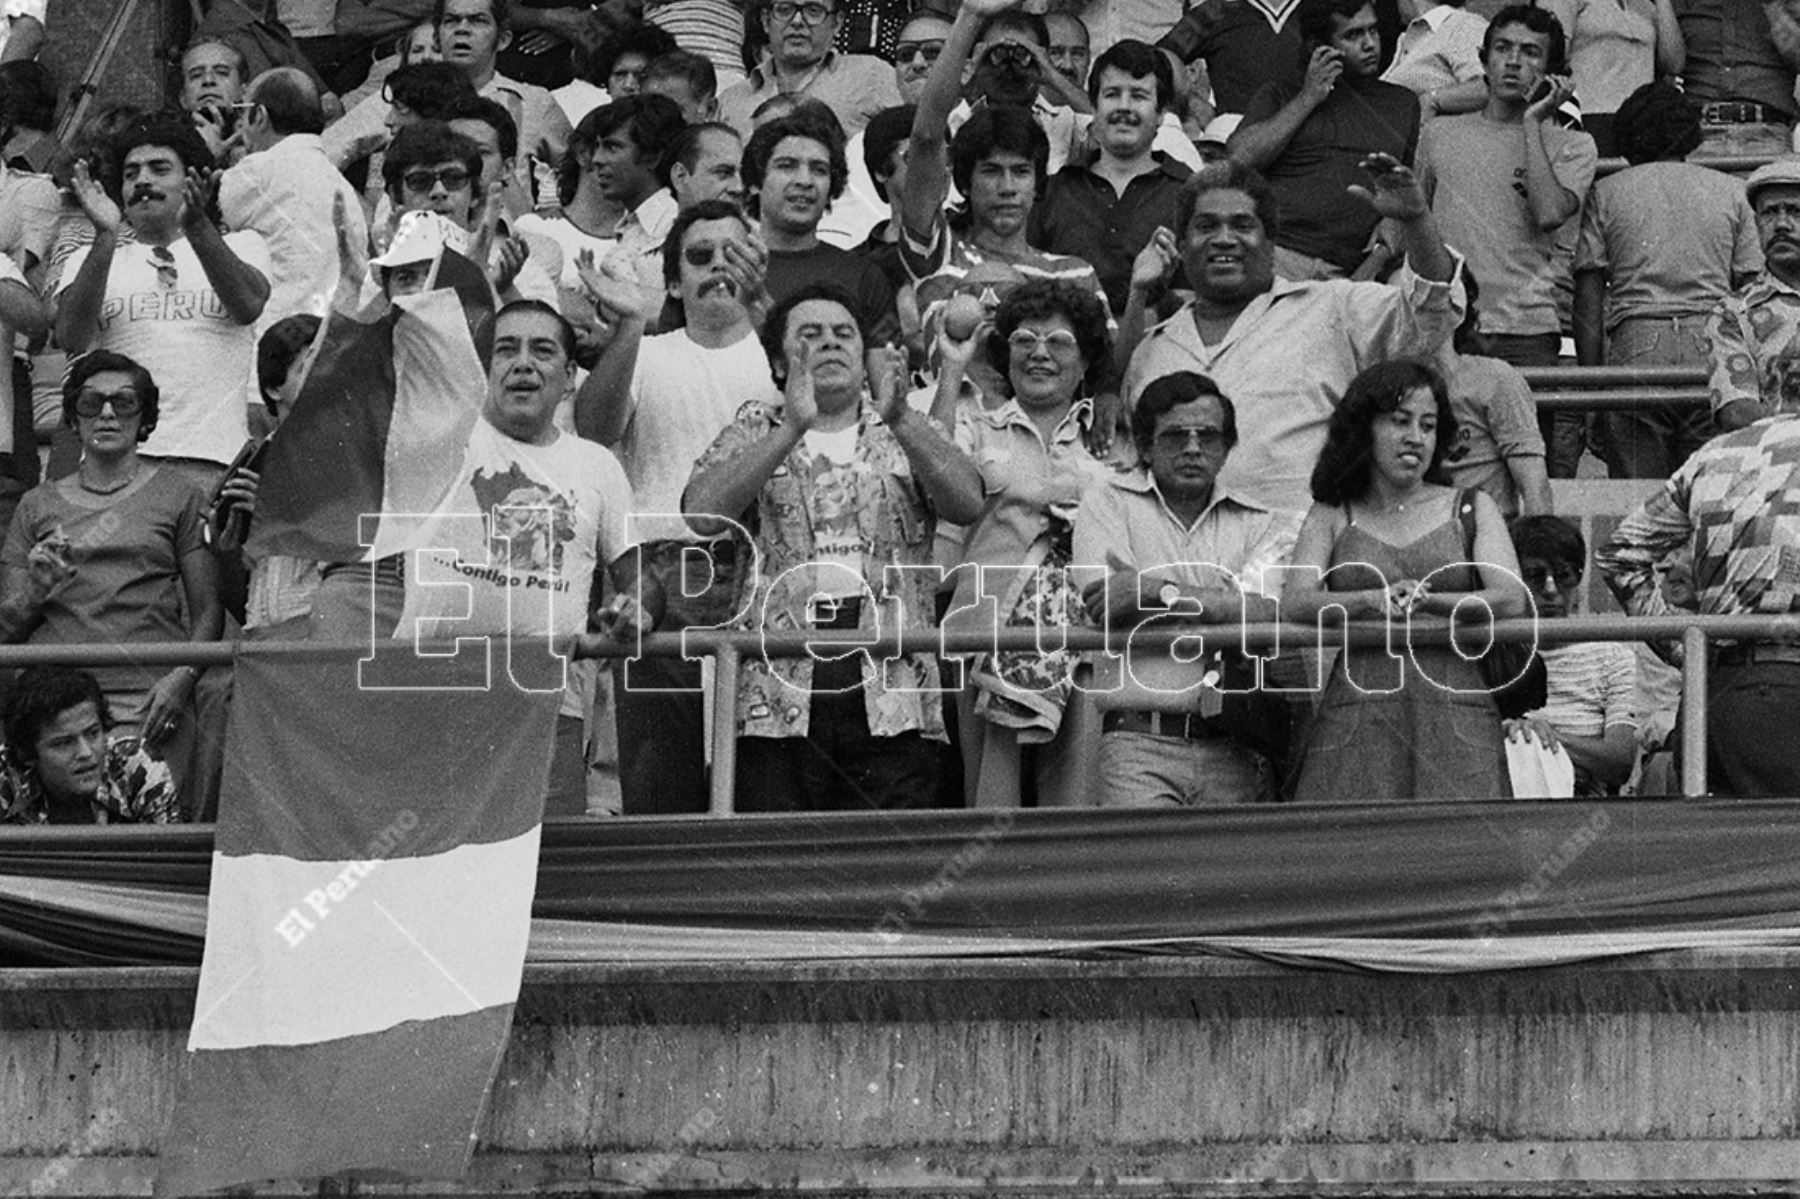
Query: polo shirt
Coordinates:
[1082,215]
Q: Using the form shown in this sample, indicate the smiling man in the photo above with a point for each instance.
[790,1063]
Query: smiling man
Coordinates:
[1286,351]
[550,509]
[1180,548]
[181,298]
[801,61]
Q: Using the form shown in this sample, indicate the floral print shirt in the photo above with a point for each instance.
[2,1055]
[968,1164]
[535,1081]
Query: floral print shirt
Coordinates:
[896,526]
[134,789]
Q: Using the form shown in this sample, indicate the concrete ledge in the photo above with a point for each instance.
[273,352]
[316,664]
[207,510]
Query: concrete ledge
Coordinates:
[1678,1073]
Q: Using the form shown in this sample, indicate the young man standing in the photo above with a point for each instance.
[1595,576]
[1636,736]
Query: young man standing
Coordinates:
[1309,141]
[1506,186]
[1107,205]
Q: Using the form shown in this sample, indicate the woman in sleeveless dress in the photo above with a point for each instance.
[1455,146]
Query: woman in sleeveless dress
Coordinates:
[1391,544]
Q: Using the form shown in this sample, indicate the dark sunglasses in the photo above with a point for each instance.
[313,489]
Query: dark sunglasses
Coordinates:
[420,180]
[164,261]
[90,403]
[702,255]
[905,52]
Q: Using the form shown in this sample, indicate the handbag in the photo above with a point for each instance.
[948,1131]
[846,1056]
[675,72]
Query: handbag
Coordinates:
[1514,672]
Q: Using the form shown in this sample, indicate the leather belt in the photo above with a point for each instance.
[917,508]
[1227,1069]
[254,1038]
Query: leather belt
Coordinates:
[1187,726]
[1742,112]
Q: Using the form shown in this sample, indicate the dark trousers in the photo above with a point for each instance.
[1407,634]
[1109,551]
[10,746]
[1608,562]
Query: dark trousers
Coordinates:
[839,766]
[1751,749]
[660,712]
[1562,430]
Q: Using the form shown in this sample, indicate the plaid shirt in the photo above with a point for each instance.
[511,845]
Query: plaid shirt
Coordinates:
[1753,337]
[1734,508]
[134,789]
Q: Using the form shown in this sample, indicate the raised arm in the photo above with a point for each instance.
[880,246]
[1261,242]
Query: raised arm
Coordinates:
[78,312]
[241,288]
[1550,202]
[1258,144]
[927,158]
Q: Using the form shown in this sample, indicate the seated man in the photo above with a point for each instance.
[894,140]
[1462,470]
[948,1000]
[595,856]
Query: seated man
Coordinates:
[60,766]
[842,484]
[1179,547]
[1592,684]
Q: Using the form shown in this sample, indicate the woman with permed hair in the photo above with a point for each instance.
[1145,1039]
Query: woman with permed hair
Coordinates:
[1387,540]
[1025,733]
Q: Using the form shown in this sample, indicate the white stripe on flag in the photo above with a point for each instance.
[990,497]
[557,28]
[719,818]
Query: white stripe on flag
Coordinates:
[439,391]
[299,952]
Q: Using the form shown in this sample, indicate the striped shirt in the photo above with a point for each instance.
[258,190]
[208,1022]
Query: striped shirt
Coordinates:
[1593,687]
[713,29]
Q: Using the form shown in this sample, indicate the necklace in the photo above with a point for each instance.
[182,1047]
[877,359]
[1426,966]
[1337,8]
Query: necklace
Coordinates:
[114,489]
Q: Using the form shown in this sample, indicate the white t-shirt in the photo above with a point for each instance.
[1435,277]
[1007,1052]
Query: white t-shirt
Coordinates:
[176,327]
[682,397]
[543,518]
[573,241]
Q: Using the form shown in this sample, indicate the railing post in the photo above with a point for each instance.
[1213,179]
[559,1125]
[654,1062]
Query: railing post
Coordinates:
[1693,712]
[724,729]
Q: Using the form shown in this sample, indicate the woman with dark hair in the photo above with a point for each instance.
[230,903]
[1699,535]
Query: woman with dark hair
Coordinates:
[1024,732]
[61,765]
[114,554]
[1389,541]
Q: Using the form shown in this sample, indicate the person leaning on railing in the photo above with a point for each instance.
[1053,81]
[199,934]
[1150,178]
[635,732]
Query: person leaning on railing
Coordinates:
[62,765]
[1728,519]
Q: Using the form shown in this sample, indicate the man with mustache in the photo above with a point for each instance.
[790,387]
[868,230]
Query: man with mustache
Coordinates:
[181,298]
[1107,206]
[659,401]
[1309,141]
[1753,337]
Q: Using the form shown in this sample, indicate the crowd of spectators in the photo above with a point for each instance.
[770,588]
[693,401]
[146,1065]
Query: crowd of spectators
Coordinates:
[848,317]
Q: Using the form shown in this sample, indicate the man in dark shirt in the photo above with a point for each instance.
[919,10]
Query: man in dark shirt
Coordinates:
[1246,43]
[794,167]
[1741,59]
[1106,207]
[1309,141]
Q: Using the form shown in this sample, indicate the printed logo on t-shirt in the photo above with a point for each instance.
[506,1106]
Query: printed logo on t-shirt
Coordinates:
[529,524]
[163,306]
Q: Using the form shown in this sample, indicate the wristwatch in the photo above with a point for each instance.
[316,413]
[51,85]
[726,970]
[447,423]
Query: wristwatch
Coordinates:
[1168,595]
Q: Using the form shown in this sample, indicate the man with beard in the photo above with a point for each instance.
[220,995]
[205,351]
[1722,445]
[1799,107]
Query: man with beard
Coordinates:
[794,167]
[1754,334]
[1108,205]
[1309,141]
[998,160]
[180,298]
[659,401]
[801,61]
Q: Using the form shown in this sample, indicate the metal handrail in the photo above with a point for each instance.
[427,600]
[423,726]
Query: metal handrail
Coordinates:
[1612,388]
[1695,633]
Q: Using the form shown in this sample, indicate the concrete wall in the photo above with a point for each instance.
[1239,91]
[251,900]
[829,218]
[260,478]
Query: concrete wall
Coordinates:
[1657,1075]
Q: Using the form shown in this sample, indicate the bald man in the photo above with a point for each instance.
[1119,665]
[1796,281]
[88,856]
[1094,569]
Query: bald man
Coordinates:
[287,190]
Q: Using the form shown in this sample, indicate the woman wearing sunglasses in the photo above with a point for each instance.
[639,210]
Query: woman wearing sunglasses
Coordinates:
[1024,731]
[114,555]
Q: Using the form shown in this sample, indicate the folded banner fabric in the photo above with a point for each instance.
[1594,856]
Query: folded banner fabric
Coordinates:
[372,879]
[379,427]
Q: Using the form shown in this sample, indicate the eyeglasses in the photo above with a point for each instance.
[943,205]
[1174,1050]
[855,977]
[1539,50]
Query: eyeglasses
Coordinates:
[812,14]
[1009,54]
[702,255]
[125,403]
[164,261]
[1175,440]
[421,180]
[905,52]
[1057,341]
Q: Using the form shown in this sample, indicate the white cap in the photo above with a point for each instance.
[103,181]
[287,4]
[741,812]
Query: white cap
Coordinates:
[419,237]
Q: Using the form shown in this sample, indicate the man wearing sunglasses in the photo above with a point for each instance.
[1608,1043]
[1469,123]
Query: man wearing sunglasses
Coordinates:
[800,60]
[1178,547]
[181,298]
[658,402]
